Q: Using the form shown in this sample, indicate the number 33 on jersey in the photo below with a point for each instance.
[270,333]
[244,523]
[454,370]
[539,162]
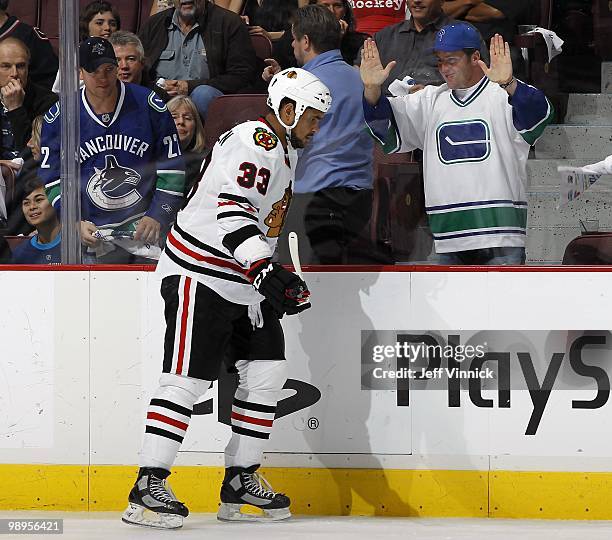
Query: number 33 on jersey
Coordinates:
[235,214]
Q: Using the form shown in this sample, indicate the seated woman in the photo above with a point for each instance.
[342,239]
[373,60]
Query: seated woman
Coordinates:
[44,246]
[191,135]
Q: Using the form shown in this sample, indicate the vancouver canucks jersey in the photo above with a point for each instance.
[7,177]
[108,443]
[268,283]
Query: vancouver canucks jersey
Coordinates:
[475,150]
[236,213]
[131,163]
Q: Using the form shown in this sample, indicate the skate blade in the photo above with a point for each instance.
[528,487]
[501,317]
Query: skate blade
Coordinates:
[139,515]
[244,512]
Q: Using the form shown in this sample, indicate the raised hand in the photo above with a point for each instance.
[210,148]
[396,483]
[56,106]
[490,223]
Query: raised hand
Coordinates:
[500,71]
[372,71]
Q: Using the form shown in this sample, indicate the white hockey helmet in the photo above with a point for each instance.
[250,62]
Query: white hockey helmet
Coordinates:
[300,86]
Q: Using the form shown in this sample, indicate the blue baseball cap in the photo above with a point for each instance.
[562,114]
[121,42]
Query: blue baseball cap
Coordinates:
[457,36]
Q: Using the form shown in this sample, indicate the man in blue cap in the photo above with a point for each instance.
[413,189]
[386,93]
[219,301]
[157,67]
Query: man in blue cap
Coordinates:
[475,132]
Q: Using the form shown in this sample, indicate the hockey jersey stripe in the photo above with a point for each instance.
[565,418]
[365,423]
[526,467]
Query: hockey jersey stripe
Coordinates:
[232,240]
[205,271]
[478,218]
[236,198]
[172,406]
[480,233]
[251,420]
[164,433]
[254,406]
[223,215]
[200,245]
[167,420]
[202,258]
[250,432]
[494,202]
[173,181]
[244,206]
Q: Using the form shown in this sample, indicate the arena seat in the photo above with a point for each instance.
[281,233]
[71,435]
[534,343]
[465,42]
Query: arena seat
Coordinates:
[602,28]
[589,249]
[14,241]
[25,10]
[227,111]
[129,11]
[540,72]
[262,46]
[397,204]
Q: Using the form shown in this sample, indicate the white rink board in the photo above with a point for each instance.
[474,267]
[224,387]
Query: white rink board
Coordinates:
[99,336]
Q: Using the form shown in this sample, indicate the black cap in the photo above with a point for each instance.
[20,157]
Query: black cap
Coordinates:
[94,52]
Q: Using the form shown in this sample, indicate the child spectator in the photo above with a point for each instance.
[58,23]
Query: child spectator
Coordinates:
[44,246]
[98,19]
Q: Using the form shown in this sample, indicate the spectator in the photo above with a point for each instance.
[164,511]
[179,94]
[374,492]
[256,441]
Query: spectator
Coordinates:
[247,8]
[43,61]
[492,17]
[132,173]
[333,181]
[410,44]
[98,19]
[191,134]
[201,50]
[475,132]
[22,99]
[130,57]
[131,62]
[371,19]
[44,246]
[32,158]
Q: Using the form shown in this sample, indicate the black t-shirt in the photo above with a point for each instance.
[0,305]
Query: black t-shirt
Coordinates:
[512,10]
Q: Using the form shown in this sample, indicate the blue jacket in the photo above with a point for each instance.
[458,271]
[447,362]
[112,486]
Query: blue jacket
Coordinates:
[340,154]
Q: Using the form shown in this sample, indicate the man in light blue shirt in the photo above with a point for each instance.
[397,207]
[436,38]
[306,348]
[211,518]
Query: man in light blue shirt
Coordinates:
[333,181]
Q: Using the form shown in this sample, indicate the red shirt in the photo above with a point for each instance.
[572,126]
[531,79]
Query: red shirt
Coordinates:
[372,15]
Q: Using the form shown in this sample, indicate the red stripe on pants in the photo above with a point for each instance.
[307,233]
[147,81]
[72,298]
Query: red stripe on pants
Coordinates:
[181,351]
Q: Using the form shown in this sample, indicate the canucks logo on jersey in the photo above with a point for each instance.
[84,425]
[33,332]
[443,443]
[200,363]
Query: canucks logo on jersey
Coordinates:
[114,186]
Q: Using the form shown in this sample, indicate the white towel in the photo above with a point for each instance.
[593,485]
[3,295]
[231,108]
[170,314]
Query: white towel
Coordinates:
[553,41]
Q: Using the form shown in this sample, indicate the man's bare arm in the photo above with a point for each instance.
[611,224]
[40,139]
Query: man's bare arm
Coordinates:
[457,9]
[483,13]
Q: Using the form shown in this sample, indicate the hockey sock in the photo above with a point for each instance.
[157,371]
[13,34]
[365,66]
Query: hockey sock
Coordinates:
[168,418]
[253,410]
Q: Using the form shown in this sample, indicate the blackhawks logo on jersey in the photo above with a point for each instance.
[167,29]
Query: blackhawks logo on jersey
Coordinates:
[264,138]
[276,218]
[113,187]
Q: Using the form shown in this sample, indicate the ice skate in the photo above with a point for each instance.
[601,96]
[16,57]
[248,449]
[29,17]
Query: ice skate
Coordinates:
[244,487]
[152,503]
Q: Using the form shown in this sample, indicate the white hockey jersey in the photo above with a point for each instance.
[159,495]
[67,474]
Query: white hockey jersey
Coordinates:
[475,153]
[236,213]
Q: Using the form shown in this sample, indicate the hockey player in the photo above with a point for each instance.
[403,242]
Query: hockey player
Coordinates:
[223,294]
[475,132]
[132,171]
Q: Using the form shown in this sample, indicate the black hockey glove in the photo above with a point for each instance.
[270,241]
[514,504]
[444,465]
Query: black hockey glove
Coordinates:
[285,291]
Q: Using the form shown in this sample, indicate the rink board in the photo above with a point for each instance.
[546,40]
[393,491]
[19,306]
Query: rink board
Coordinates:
[82,356]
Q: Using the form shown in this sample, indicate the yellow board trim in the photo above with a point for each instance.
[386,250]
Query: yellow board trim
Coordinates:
[340,492]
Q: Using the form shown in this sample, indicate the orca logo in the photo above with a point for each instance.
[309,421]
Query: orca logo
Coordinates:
[114,186]
[465,141]
[305,396]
